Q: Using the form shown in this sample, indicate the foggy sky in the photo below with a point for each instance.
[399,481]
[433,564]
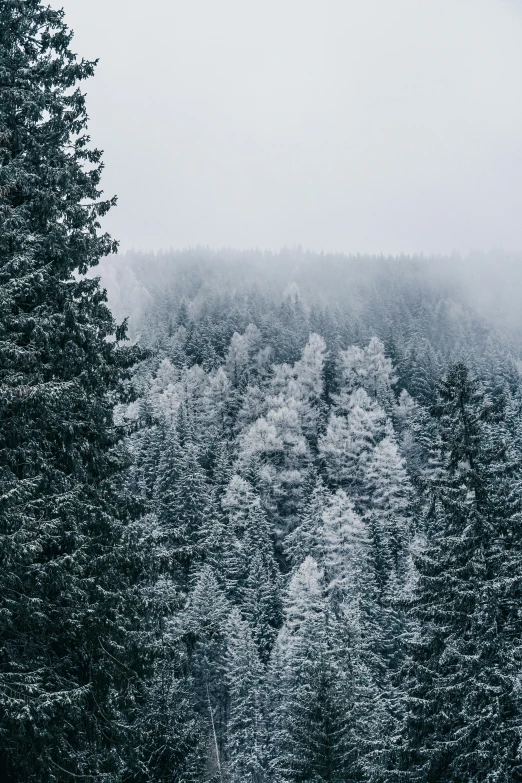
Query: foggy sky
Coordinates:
[347,126]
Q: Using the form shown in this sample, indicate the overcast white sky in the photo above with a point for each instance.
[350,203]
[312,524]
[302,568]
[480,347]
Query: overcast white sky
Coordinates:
[355,126]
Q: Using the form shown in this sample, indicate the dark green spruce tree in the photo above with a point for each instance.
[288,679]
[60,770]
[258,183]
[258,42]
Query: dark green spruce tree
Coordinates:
[70,657]
[463,716]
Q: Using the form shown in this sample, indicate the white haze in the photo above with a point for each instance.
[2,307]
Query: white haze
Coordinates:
[369,126]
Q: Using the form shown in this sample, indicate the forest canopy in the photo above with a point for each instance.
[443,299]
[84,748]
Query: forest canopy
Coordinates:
[275,536]
[329,450]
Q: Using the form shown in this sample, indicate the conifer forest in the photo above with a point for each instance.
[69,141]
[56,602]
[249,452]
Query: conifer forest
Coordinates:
[269,528]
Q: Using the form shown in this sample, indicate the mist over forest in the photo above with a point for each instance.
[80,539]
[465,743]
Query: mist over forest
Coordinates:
[260,512]
[140,284]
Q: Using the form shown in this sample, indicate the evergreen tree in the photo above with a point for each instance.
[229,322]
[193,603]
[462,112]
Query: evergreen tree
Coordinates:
[247,562]
[202,627]
[406,416]
[145,447]
[310,388]
[389,494]
[172,739]
[353,430]
[305,539]
[275,455]
[183,504]
[70,661]
[242,512]
[370,369]
[246,731]
[260,599]
[361,619]
[343,545]
[240,363]
[310,694]
[463,709]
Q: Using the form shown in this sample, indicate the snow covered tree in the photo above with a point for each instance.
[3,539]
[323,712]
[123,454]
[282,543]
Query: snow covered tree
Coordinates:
[202,627]
[173,735]
[216,405]
[390,495]
[260,599]
[305,539]
[406,416]
[145,448]
[246,747]
[304,600]
[183,504]
[274,453]
[247,562]
[311,745]
[335,448]
[343,547]
[242,512]
[310,695]
[309,371]
[206,610]
[463,710]
[368,368]
[421,370]
[353,430]
[70,665]
[240,359]
[364,622]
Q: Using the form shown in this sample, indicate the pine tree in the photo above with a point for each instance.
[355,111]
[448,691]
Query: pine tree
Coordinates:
[463,710]
[365,628]
[247,562]
[343,545]
[242,509]
[201,626]
[370,369]
[406,415]
[145,447]
[182,503]
[305,539]
[353,430]
[309,371]
[310,695]
[216,406]
[260,600]
[389,494]
[239,362]
[312,748]
[275,455]
[70,666]
[172,738]
[246,729]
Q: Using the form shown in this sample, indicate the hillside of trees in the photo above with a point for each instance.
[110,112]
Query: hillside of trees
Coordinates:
[273,537]
[331,476]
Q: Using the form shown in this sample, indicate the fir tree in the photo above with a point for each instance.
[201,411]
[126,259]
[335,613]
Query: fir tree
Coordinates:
[247,562]
[343,545]
[389,494]
[202,626]
[246,731]
[370,369]
[70,665]
[183,504]
[463,709]
[305,539]
[311,703]
[357,425]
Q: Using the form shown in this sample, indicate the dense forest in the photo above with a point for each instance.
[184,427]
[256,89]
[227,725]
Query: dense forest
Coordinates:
[270,529]
[332,486]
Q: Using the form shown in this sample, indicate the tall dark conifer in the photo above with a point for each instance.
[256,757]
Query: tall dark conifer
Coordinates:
[69,661]
[463,706]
